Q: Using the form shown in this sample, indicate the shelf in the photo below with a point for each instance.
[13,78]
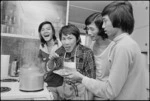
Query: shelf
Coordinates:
[19,36]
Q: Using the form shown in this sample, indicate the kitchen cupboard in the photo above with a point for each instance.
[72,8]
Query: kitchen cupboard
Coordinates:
[19,26]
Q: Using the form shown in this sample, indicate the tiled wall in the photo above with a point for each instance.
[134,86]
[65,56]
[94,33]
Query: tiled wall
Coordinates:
[22,18]
[25,50]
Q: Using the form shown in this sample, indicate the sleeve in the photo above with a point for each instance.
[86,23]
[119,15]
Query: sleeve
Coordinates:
[43,56]
[43,59]
[59,61]
[90,66]
[111,87]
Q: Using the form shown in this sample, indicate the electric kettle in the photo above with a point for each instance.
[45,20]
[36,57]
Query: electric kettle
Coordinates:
[31,79]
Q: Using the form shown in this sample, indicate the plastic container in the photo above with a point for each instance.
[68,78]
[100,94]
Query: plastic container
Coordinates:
[13,68]
[4,66]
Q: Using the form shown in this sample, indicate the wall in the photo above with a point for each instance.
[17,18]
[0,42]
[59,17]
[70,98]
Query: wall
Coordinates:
[24,17]
[141,30]
[19,23]
[25,50]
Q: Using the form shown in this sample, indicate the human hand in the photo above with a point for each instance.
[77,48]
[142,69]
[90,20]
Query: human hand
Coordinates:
[49,65]
[53,56]
[73,74]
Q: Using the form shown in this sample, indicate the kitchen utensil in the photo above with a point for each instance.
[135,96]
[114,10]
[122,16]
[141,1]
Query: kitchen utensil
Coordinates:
[14,68]
[31,79]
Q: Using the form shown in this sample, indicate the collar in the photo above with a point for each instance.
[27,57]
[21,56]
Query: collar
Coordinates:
[45,48]
[119,37]
[61,51]
[72,53]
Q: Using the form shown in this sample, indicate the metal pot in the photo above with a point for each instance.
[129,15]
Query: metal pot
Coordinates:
[31,79]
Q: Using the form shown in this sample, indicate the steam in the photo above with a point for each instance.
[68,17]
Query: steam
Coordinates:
[29,53]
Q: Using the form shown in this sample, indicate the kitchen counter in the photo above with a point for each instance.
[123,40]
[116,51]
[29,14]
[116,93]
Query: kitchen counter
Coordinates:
[16,94]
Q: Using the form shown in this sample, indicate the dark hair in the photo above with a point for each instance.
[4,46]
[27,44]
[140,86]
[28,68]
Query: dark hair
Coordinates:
[121,15]
[70,29]
[97,19]
[39,30]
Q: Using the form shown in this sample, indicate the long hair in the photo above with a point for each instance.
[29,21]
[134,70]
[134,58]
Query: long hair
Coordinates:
[121,15]
[70,29]
[97,19]
[39,30]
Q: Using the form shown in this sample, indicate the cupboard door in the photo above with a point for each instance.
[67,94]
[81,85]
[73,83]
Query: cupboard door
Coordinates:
[141,36]
[141,29]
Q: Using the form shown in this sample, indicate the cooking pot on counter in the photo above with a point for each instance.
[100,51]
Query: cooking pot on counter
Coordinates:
[31,79]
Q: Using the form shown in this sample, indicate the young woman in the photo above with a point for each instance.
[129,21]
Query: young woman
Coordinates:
[75,57]
[49,43]
[124,78]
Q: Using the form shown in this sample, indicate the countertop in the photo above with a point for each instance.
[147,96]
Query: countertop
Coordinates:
[15,93]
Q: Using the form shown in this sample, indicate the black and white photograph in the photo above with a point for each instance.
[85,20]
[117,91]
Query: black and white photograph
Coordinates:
[74,50]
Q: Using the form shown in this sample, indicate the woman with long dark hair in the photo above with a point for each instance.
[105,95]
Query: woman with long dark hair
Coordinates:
[49,43]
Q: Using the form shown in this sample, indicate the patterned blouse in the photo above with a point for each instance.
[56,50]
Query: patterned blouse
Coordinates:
[44,54]
[85,63]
